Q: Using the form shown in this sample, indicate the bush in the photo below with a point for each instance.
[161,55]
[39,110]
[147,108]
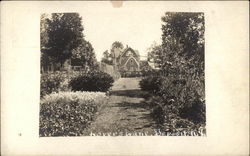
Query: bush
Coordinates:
[163,110]
[92,81]
[50,82]
[68,113]
[57,81]
[167,115]
[151,83]
[176,103]
[195,112]
[188,96]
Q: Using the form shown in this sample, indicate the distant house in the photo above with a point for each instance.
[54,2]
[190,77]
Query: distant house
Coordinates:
[127,61]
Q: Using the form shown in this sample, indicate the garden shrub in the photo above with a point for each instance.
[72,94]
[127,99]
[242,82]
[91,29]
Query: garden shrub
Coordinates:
[68,113]
[92,81]
[189,97]
[167,115]
[50,82]
[176,103]
[151,83]
[57,81]
[195,112]
[163,110]
[68,76]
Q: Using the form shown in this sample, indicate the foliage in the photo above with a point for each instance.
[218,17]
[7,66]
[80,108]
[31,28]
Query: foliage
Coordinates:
[183,50]
[155,54]
[68,113]
[146,69]
[195,112]
[64,35]
[45,59]
[117,44]
[183,44]
[62,39]
[85,56]
[188,96]
[116,50]
[179,98]
[172,116]
[107,58]
[92,81]
[57,81]
[175,99]
[151,83]
[50,83]
[44,30]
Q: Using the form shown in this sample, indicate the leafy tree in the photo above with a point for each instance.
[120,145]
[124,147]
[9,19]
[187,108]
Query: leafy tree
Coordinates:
[117,44]
[145,68]
[43,30]
[64,34]
[155,54]
[107,58]
[84,55]
[45,60]
[181,92]
[115,49]
[106,54]
[183,44]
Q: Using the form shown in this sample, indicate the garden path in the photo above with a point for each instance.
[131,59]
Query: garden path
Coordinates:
[125,112]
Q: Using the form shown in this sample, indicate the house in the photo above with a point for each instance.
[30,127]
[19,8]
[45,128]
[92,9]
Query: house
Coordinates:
[127,61]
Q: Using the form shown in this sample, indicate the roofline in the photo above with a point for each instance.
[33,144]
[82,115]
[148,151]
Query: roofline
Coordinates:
[126,50]
[131,57]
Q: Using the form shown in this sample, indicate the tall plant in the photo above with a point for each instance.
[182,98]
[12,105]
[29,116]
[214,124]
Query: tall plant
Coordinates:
[64,34]
[183,44]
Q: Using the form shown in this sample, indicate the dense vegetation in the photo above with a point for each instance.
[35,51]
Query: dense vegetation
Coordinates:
[62,39]
[109,56]
[178,94]
[151,83]
[92,81]
[75,81]
[68,113]
[63,110]
[50,83]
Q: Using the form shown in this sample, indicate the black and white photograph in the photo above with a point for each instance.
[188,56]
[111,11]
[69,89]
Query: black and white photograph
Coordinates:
[124,78]
[114,78]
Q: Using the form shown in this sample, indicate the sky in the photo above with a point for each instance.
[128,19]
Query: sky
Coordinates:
[136,24]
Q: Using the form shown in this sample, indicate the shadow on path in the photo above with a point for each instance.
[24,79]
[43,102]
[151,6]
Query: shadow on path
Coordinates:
[126,111]
[137,93]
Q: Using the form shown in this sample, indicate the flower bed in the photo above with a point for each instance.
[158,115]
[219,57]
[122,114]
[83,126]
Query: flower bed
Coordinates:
[68,113]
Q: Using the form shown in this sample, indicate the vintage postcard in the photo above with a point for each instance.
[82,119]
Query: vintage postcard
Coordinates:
[117,89]
[122,77]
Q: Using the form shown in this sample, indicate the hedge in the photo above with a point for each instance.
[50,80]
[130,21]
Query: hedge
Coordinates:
[68,113]
[92,81]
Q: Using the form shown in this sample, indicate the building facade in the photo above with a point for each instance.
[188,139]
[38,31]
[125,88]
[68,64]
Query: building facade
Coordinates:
[127,61]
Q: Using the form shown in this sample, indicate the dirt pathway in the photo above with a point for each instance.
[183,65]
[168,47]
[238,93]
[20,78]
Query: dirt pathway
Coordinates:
[125,113]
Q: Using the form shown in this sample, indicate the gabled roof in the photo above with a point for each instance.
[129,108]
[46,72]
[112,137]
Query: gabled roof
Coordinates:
[129,48]
[131,57]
